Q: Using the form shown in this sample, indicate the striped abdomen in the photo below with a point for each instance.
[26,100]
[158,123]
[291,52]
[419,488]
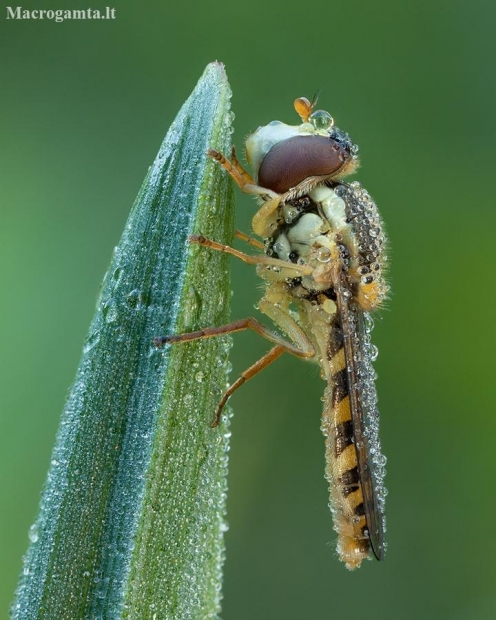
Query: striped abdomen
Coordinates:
[342,471]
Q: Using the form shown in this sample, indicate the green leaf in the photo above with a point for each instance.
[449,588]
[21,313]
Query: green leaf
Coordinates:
[132,514]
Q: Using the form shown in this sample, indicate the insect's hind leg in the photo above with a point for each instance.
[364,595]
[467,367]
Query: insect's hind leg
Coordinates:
[232,328]
[247,374]
[300,345]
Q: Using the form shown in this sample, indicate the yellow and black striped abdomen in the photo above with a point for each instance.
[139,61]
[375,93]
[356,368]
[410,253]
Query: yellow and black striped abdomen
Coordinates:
[342,469]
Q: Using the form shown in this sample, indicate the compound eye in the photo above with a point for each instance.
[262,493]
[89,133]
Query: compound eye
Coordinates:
[291,161]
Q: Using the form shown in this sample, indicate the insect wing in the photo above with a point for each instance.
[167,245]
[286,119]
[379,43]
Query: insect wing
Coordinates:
[359,354]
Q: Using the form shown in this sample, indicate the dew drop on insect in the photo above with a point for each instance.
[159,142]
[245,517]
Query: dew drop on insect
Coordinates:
[381,460]
[290,213]
[278,248]
[321,119]
[324,255]
[369,322]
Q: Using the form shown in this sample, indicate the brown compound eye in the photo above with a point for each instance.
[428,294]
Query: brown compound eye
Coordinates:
[291,161]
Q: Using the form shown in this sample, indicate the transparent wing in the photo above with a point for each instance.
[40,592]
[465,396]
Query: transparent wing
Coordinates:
[360,353]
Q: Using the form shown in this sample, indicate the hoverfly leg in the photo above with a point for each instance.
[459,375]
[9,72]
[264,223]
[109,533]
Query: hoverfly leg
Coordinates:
[266,219]
[236,171]
[240,176]
[262,259]
[302,347]
[250,323]
[243,173]
[249,240]
[250,372]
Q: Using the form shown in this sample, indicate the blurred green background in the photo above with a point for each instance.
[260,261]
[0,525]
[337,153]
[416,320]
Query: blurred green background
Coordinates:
[83,109]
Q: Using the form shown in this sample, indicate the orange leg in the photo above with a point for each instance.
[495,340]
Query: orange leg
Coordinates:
[244,173]
[265,219]
[298,270]
[303,348]
[250,372]
[254,242]
[239,175]
[232,328]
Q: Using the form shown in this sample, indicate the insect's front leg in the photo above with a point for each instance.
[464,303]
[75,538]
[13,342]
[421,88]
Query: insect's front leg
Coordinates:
[240,176]
[265,220]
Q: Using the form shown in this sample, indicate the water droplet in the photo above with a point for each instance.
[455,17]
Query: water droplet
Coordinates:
[324,255]
[321,119]
[369,322]
[134,298]
[33,533]
[91,341]
[109,311]
[290,213]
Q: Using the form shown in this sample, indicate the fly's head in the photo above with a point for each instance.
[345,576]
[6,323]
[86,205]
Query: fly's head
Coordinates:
[285,157]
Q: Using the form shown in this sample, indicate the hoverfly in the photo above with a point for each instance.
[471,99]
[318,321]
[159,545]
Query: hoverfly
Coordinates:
[323,264]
